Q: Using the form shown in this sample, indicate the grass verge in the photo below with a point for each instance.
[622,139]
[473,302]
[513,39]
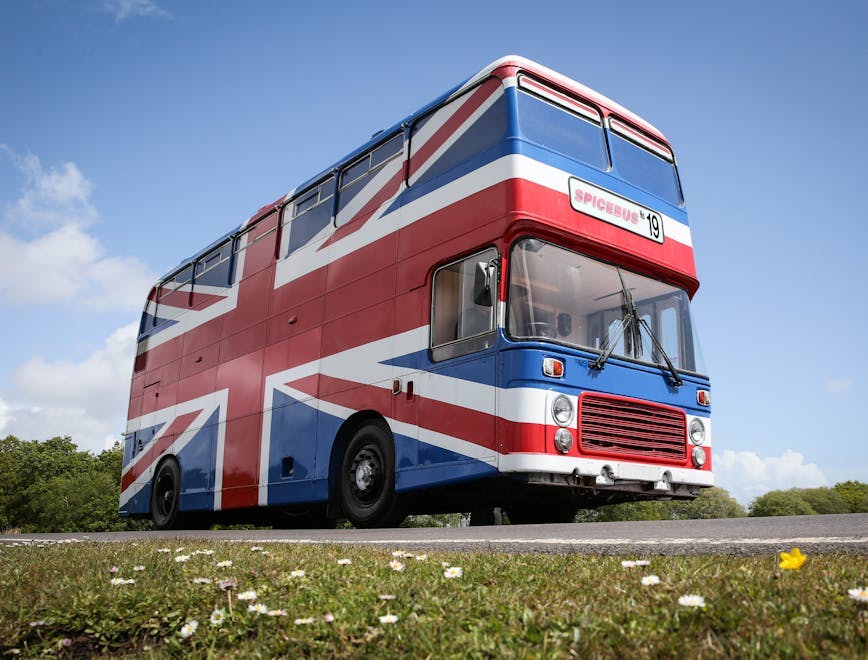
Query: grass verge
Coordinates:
[77,599]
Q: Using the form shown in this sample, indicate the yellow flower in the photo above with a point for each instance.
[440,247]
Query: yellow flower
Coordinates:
[793,560]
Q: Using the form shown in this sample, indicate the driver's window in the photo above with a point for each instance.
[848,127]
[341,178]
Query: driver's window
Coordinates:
[463,308]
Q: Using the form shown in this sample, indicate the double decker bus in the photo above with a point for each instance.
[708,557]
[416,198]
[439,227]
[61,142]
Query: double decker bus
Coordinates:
[485,305]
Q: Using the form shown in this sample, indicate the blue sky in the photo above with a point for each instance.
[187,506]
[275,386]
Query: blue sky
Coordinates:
[133,132]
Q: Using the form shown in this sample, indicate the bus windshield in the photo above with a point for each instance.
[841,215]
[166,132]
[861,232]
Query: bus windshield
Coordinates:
[559,295]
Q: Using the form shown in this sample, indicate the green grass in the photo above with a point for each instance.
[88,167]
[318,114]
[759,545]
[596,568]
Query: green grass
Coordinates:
[59,599]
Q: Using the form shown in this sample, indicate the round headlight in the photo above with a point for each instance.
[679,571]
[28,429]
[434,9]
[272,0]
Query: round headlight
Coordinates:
[697,431]
[562,410]
[698,456]
[563,440]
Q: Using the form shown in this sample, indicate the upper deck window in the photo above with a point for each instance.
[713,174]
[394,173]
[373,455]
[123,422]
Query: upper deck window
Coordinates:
[645,162]
[372,160]
[358,174]
[561,123]
[213,269]
[311,214]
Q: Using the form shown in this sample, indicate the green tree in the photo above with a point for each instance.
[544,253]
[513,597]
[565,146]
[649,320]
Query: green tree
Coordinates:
[645,510]
[712,503]
[824,500]
[780,503]
[85,502]
[51,486]
[854,494]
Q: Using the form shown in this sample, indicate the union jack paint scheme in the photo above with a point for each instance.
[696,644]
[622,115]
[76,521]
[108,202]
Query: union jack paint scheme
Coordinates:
[485,305]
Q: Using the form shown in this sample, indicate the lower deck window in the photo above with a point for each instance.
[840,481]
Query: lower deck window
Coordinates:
[462,309]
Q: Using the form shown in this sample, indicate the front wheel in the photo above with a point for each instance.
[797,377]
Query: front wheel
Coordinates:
[165,495]
[368,478]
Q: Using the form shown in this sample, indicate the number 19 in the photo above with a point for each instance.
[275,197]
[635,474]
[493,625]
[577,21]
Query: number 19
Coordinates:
[654,225]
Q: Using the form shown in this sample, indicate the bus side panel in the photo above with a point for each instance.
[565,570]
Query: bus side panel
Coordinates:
[292,454]
[242,354]
[197,462]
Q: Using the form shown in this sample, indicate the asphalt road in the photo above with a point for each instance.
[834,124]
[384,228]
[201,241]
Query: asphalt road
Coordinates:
[732,536]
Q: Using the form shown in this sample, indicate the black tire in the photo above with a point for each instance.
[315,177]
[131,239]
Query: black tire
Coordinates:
[166,495]
[367,480]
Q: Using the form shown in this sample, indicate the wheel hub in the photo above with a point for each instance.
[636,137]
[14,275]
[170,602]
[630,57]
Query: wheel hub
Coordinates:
[365,472]
[366,475]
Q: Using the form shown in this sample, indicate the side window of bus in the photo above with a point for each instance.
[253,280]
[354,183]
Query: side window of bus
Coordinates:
[310,215]
[469,125]
[173,296]
[213,271]
[357,175]
[463,309]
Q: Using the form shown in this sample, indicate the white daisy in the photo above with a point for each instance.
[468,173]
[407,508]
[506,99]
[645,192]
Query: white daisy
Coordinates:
[859,594]
[188,628]
[692,600]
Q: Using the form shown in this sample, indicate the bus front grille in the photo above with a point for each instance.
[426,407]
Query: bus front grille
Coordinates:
[621,426]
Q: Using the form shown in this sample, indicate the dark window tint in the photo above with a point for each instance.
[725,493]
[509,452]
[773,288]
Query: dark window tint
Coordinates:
[389,150]
[213,268]
[312,213]
[562,129]
[356,170]
[645,170]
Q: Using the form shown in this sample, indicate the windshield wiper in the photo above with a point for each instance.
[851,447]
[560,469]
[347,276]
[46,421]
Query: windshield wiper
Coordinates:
[676,379]
[628,322]
[632,321]
[611,342]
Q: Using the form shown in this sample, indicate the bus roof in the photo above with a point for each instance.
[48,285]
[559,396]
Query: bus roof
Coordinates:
[513,61]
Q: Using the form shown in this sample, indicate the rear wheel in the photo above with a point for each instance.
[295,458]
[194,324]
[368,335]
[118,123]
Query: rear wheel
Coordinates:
[368,478]
[165,495]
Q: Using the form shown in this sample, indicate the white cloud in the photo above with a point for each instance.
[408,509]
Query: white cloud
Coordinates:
[746,475]
[69,266]
[57,197]
[838,385]
[123,10]
[60,261]
[86,400]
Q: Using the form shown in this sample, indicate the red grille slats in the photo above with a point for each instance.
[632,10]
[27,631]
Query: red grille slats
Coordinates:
[615,425]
